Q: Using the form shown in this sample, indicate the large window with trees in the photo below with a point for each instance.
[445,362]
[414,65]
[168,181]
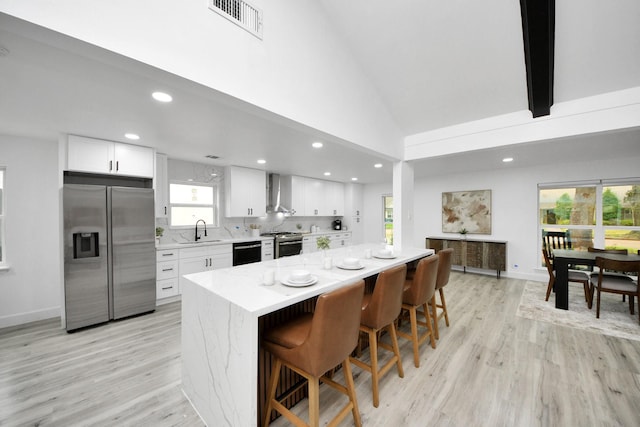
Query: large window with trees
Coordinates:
[600,214]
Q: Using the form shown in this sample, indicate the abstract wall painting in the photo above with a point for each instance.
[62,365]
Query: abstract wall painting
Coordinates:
[466,210]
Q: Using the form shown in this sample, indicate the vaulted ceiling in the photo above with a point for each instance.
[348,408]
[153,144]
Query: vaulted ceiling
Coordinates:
[434,64]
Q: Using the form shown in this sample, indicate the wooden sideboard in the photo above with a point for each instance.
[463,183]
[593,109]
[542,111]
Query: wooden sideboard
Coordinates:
[489,254]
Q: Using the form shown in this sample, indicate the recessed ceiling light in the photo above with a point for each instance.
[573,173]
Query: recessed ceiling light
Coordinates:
[214,174]
[327,174]
[132,136]
[162,97]
[507,159]
[354,179]
[262,161]
[377,165]
[317,145]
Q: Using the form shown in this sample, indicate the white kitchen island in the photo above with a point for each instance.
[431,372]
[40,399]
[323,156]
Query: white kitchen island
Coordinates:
[221,310]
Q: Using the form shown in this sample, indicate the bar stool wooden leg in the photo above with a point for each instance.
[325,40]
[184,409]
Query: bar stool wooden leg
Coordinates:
[273,385]
[396,349]
[429,325]
[414,335]
[351,390]
[444,307]
[314,402]
[434,311]
[373,349]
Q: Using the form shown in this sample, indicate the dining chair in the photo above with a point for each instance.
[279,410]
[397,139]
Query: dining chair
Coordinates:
[617,284]
[556,240]
[576,276]
[596,270]
[313,344]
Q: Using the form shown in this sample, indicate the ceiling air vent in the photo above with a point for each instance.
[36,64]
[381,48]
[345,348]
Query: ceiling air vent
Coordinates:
[240,13]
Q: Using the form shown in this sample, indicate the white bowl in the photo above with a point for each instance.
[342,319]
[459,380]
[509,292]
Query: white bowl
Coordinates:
[351,262]
[386,252]
[300,276]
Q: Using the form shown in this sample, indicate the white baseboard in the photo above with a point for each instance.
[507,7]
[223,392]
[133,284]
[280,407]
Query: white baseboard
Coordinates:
[32,316]
[537,277]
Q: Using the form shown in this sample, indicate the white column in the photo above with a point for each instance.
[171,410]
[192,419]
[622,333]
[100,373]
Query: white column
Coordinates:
[403,205]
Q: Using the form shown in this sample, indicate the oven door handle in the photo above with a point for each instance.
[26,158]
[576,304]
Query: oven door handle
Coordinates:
[248,246]
[297,242]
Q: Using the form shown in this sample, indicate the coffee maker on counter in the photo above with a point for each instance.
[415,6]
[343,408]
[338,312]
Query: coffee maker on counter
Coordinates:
[337,224]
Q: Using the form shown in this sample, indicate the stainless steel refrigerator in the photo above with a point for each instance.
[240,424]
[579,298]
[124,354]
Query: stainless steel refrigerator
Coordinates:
[109,253]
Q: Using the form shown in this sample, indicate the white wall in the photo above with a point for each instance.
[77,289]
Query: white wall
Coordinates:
[514,203]
[31,289]
[300,70]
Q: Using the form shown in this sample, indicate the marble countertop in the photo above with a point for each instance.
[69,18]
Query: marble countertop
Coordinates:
[244,285]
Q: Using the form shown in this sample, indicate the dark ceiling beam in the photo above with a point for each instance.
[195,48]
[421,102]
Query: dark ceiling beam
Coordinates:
[538,30]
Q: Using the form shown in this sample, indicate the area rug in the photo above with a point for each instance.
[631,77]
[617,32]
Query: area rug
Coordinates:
[615,319]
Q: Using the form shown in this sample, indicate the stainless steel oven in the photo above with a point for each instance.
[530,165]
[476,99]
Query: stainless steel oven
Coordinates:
[286,243]
[247,252]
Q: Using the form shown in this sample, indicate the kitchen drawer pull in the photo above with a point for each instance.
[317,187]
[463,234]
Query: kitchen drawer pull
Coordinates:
[171,254]
[165,288]
[167,269]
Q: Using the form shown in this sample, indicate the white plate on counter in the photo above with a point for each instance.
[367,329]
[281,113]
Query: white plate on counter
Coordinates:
[287,282]
[349,267]
[381,256]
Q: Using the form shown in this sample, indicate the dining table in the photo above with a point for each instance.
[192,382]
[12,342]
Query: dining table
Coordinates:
[563,258]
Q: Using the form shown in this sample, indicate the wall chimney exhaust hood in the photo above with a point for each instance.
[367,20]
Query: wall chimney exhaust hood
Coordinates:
[274,196]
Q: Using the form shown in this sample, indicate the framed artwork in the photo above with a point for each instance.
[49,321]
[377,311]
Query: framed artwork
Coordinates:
[468,210]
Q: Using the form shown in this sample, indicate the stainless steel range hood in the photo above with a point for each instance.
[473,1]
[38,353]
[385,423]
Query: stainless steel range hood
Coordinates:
[274,196]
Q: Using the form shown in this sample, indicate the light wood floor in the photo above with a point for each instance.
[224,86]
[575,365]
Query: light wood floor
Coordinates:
[490,368]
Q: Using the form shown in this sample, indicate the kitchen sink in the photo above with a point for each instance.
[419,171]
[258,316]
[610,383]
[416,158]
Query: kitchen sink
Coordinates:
[201,241]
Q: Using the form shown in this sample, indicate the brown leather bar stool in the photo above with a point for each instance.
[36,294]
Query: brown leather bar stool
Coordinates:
[444,268]
[379,311]
[417,293]
[311,345]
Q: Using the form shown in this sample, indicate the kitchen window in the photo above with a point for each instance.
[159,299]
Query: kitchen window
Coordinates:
[602,214]
[190,202]
[3,260]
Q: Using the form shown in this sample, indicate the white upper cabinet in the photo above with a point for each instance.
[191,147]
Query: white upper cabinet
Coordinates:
[107,157]
[334,198]
[315,197]
[312,197]
[245,192]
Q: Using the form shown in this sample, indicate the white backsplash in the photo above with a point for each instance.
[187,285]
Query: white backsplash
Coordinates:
[230,228]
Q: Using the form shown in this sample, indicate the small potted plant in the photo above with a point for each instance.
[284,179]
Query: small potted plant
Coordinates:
[463,232]
[159,233]
[323,242]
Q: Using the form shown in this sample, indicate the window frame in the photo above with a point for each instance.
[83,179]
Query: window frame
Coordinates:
[215,206]
[599,229]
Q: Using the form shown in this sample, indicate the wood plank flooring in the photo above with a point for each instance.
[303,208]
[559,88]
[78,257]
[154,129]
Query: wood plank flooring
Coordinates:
[490,368]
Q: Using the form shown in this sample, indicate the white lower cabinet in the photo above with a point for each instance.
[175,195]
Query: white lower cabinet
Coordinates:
[167,274]
[172,264]
[267,250]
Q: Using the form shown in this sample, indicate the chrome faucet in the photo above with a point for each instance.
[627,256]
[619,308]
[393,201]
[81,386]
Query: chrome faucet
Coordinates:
[205,229]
